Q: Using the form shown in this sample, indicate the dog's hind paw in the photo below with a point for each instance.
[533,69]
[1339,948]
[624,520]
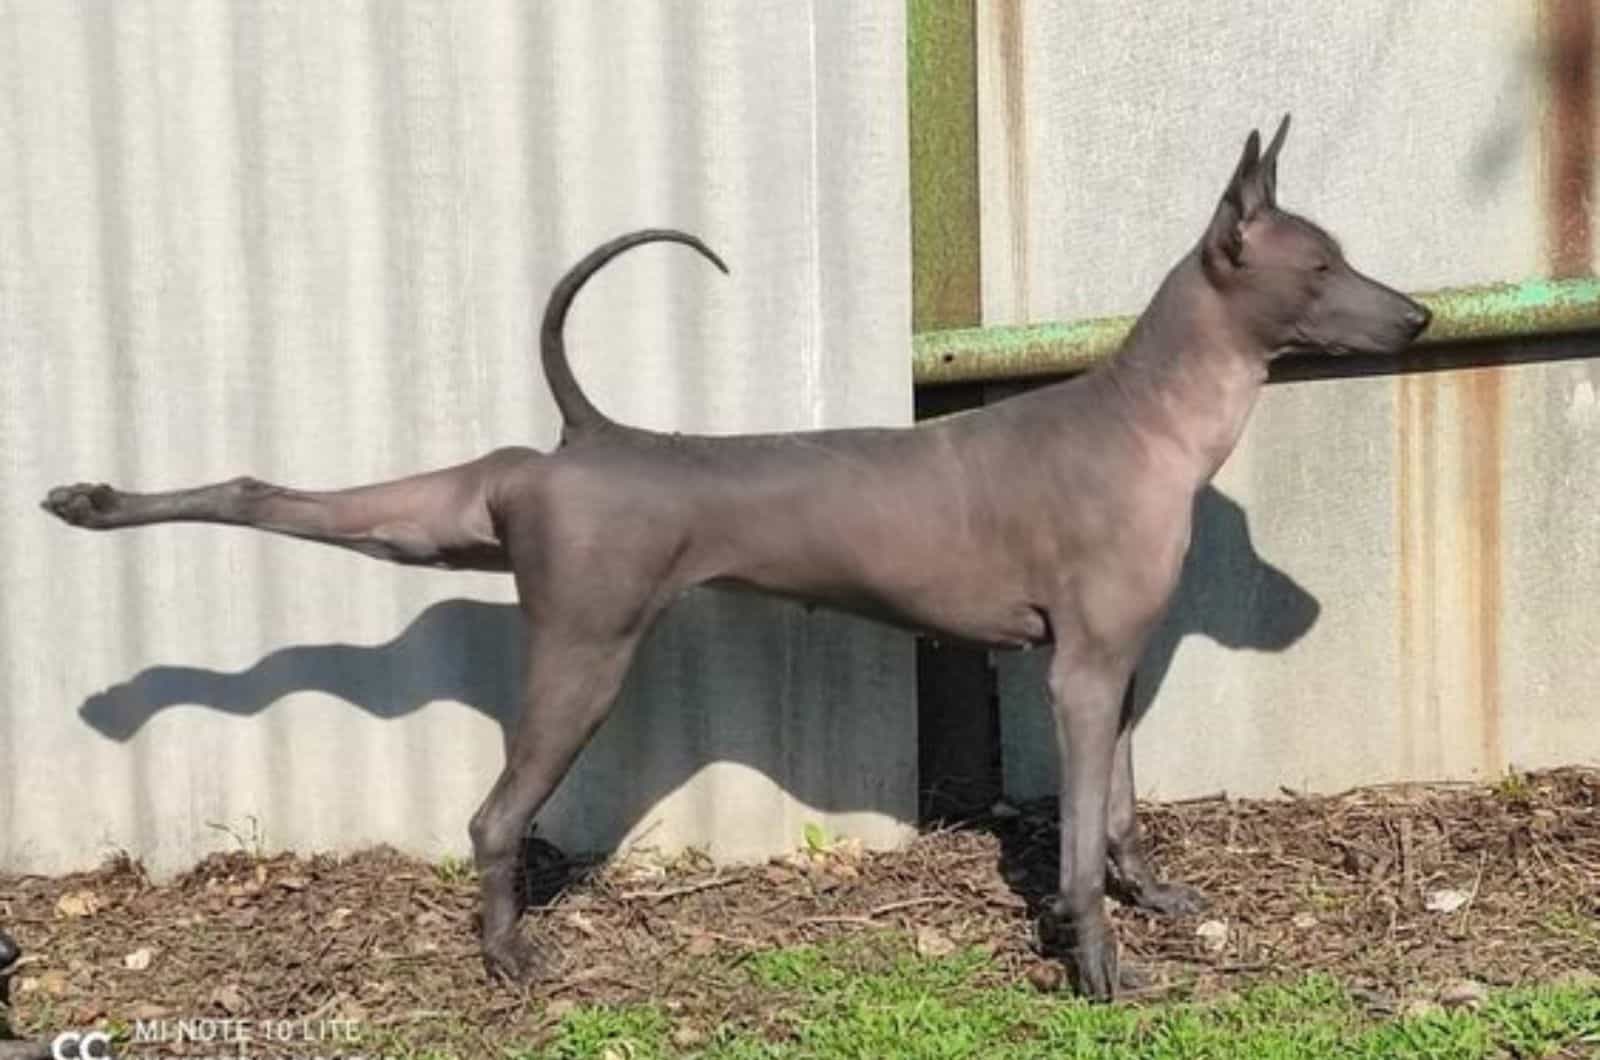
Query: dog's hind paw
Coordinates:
[514,961]
[85,504]
[1166,899]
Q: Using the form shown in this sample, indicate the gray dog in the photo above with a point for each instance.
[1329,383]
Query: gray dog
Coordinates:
[1059,517]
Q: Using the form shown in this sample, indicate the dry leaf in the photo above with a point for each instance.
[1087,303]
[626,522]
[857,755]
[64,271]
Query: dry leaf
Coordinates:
[931,942]
[688,1037]
[1463,993]
[848,849]
[76,904]
[1445,901]
[1046,978]
[1213,935]
[230,999]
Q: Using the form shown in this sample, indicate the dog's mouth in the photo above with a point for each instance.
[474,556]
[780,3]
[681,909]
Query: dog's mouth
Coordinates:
[1316,349]
[1351,349]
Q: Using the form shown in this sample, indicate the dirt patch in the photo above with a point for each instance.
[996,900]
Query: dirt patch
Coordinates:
[1393,890]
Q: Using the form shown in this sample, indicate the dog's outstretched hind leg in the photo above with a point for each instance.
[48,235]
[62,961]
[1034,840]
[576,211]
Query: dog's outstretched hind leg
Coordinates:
[440,518]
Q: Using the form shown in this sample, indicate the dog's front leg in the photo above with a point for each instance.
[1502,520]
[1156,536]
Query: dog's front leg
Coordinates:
[1085,695]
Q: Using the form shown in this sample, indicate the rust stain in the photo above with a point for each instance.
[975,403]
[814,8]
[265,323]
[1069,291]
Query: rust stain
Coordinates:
[1405,606]
[1568,29]
[1450,444]
[1421,727]
[1484,425]
[1014,101]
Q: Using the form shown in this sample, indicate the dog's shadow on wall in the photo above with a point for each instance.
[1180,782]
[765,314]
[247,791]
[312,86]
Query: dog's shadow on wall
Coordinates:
[470,652]
[1228,593]
[467,651]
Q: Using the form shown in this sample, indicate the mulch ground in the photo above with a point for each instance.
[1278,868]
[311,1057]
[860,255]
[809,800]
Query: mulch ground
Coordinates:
[1395,891]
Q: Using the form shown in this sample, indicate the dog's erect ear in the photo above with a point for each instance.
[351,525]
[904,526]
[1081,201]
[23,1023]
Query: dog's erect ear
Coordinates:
[1244,174]
[1269,163]
[1223,236]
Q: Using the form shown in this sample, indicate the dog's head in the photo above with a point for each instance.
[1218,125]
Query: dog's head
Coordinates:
[1286,280]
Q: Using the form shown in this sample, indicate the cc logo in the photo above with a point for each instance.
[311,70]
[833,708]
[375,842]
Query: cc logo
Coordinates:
[74,1045]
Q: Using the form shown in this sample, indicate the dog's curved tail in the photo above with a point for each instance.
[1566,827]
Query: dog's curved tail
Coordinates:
[578,413]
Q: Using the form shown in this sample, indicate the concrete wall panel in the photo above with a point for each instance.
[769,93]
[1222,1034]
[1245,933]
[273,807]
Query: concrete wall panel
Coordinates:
[1393,578]
[311,242]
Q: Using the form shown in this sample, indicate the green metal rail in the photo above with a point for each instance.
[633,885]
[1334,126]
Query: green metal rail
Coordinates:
[1494,311]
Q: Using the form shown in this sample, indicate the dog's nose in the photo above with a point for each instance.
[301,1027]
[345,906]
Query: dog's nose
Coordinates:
[1417,317]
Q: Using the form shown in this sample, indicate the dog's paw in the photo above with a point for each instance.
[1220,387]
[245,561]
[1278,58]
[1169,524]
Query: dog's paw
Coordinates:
[85,504]
[1094,966]
[1087,946]
[1166,899]
[513,960]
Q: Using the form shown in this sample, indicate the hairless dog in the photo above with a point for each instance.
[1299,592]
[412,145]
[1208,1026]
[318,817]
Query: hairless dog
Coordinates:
[1058,517]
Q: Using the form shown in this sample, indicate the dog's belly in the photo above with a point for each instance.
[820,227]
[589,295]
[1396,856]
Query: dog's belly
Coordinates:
[987,619]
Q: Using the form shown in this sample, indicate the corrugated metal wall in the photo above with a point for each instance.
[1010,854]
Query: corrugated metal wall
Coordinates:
[1395,577]
[308,242]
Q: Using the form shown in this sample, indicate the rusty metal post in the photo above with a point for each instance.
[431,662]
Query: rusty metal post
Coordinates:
[957,709]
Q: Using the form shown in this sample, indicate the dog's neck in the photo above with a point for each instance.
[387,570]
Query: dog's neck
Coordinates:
[1187,375]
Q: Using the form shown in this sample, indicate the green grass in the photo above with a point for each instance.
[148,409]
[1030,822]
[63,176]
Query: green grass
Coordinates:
[1514,787]
[626,1033]
[455,871]
[1572,925]
[844,1003]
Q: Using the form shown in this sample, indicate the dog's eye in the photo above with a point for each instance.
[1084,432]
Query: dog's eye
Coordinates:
[1322,266]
